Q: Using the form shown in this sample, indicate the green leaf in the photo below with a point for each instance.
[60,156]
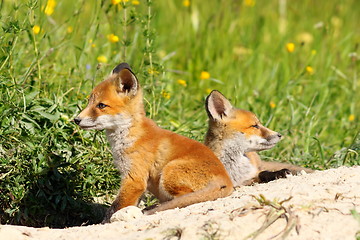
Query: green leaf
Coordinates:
[28,126]
[30,96]
[51,117]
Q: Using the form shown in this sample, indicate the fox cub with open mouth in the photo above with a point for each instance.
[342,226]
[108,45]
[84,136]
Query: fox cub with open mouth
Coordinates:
[235,135]
[177,170]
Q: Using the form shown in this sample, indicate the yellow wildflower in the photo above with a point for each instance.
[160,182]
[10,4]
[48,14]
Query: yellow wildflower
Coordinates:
[290,47]
[51,3]
[113,38]
[152,71]
[186,3]
[351,117]
[69,29]
[102,59]
[36,29]
[249,3]
[165,94]
[313,52]
[50,6]
[182,82]
[208,90]
[272,104]
[115,2]
[204,75]
[49,11]
[309,70]
[93,45]
[135,2]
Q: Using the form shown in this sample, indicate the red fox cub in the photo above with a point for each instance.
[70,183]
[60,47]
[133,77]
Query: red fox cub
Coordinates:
[235,135]
[177,170]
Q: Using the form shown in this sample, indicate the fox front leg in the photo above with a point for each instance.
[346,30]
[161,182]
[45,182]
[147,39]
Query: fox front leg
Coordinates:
[130,192]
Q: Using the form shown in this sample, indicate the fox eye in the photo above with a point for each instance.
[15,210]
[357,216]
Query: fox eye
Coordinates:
[255,126]
[101,106]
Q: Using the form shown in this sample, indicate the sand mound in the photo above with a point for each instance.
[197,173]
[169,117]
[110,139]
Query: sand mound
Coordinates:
[310,206]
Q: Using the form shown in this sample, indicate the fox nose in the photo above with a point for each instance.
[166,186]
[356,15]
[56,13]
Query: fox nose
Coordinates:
[77,121]
[279,135]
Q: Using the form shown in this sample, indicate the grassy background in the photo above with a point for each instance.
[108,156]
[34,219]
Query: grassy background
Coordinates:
[52,173]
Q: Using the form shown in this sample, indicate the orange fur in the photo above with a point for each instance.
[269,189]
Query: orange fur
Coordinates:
[177,170]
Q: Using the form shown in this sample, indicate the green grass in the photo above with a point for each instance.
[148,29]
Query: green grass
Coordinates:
[51,171]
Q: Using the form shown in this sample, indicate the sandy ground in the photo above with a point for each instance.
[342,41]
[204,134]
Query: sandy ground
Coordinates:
[310,206]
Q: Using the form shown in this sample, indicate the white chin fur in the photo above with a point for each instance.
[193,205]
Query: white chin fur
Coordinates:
[104,122]
[253,143]
[257,143]
[236,163]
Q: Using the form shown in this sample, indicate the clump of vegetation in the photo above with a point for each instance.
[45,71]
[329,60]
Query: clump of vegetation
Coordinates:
[296,69]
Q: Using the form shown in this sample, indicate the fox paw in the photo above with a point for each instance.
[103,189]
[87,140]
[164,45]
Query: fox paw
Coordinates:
[108,215]
[267,176]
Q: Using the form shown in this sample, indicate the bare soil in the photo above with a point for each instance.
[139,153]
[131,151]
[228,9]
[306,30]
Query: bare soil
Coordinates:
[309,206]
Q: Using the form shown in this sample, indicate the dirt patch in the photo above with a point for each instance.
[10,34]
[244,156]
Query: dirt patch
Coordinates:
[320,205]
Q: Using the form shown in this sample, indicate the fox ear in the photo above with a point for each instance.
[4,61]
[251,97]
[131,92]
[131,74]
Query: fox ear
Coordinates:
[217,106]
[125,79]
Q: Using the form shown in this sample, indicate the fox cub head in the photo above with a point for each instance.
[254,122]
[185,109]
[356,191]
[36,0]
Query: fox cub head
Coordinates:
[237,127]
[113,102]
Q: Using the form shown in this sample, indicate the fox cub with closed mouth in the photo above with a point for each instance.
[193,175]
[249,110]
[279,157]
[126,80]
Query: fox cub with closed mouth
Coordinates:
[235,135]
[177,170]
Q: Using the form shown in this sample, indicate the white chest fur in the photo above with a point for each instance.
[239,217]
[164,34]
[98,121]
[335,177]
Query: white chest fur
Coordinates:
[236,163]
[119,142]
